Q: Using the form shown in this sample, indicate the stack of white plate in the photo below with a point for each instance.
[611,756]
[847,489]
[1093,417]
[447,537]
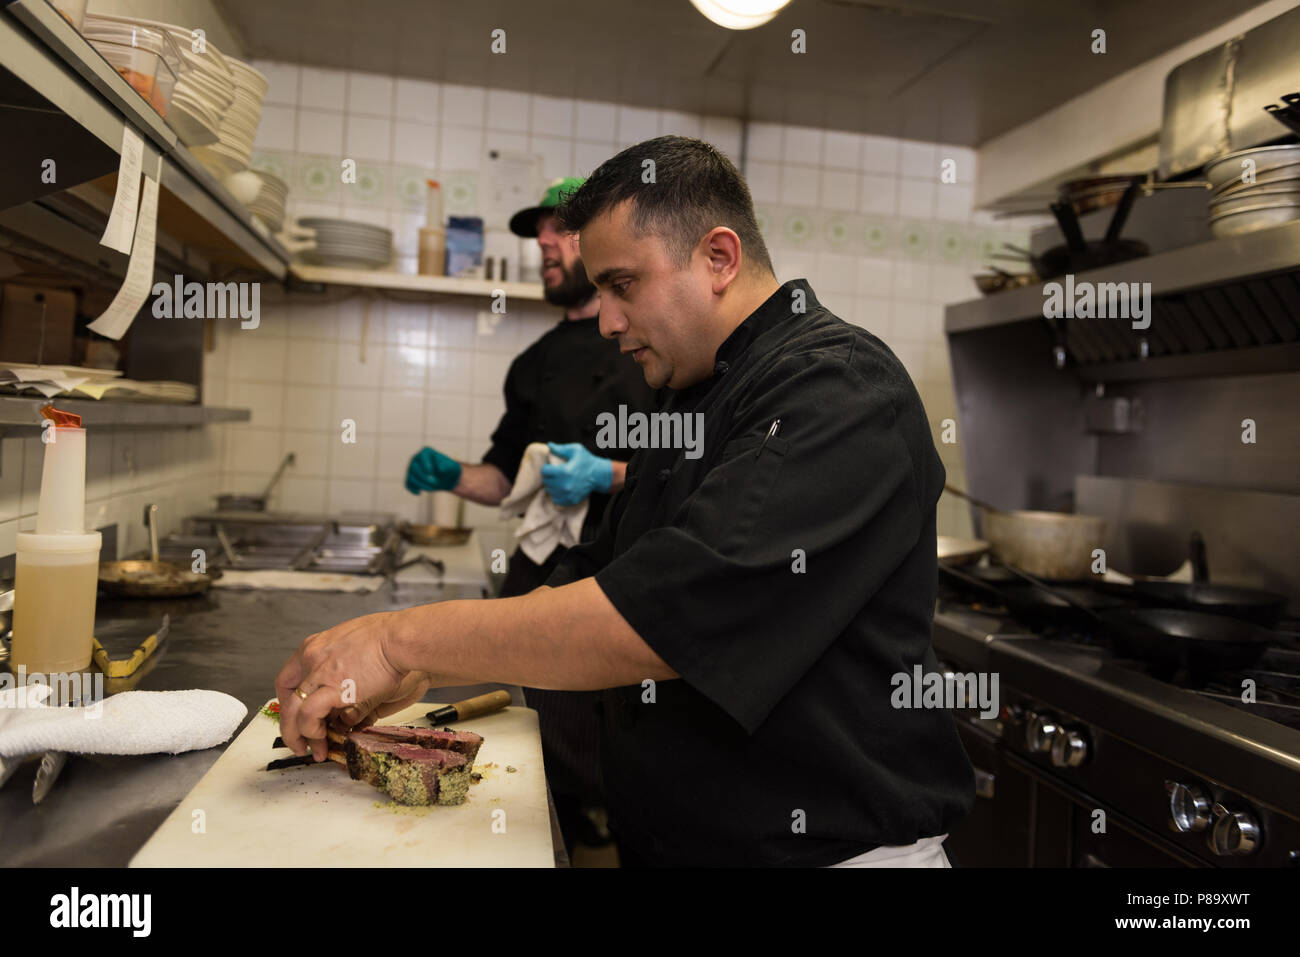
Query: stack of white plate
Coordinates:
[1270,199]
[342,242]
[204,91]
[238,129]
[270,201]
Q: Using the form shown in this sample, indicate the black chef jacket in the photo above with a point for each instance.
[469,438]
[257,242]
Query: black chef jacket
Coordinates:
[783,712]
[554,391]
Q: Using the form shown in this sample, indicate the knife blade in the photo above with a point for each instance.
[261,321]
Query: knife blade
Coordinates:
[338,757]
[51,764]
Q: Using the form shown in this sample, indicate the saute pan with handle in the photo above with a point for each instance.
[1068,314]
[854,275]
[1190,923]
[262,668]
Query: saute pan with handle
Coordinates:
[1029,604]
[1176,638]
[1261,607]
[1048,544]
[151,579]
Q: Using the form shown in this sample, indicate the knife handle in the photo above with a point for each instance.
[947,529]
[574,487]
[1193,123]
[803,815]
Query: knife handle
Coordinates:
[472,707]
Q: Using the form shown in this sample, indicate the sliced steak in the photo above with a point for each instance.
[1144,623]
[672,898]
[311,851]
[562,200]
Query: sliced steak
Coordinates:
[461,742]
[410,773]
[363,752]
[419,775]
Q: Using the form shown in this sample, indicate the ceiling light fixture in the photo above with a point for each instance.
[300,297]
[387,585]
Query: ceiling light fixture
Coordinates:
[739,14]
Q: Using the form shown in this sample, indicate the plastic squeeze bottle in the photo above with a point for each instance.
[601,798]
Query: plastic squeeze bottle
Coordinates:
[58,564]
[432,258]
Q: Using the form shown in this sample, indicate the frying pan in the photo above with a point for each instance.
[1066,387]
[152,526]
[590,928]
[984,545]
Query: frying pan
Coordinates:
[1079,254]
[1175,638]
[151,579]
[1261,607]
[1032,605]
[434,534]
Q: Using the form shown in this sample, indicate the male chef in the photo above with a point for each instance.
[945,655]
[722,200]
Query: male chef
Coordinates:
[556,391]
[749,608]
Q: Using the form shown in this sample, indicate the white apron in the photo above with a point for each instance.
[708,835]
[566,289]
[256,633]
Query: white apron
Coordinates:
[927,852]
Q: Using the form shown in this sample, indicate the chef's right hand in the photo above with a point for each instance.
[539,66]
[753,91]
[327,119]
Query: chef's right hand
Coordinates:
[431,471]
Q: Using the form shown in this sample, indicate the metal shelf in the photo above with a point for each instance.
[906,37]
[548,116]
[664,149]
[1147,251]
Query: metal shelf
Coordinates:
[1204,265]
[405,282]
[54,60]
[22,416]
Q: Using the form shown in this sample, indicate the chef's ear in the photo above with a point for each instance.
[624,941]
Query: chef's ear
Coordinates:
[721,246]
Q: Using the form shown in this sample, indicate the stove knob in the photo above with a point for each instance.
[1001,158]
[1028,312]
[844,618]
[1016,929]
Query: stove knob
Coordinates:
[1040,729]
[1189,807]
[1234,833]
[1069,749]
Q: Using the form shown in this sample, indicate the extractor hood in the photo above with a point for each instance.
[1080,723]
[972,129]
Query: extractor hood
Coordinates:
[1214,103]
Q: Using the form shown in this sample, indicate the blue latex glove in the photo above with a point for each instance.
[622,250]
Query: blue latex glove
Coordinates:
[431,471]
[582,474]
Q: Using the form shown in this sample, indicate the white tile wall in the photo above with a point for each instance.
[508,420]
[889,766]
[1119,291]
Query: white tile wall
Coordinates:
[867,219]
[176,469]
[389,374]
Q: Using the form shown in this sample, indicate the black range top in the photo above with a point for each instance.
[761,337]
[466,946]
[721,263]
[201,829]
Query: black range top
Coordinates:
[1117,732]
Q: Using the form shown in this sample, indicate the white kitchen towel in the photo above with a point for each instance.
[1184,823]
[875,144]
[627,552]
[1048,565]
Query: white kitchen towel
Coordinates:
[288,580]
[545,525]
[133,722]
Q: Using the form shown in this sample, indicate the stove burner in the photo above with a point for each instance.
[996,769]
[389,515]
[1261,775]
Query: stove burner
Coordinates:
[1273,682]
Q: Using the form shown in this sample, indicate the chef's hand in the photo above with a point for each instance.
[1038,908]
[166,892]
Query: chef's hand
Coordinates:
[582,474]
[348,680]
[431,471]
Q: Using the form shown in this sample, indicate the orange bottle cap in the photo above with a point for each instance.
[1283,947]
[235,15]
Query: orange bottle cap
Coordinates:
[61,418]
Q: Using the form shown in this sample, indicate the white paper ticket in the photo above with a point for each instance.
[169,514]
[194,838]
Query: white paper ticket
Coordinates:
[119,315]
[121,221]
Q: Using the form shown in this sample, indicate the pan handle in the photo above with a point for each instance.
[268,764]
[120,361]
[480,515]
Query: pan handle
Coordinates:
[970,498]
[1069,223]
[1034,580]
[151,523]
[1200,563]
[1120,216]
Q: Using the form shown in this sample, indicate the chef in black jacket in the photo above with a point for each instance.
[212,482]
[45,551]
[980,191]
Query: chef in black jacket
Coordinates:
[555,391]
[753,607]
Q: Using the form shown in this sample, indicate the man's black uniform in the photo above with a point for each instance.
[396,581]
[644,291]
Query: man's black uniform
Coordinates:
[787,578]
[554,391]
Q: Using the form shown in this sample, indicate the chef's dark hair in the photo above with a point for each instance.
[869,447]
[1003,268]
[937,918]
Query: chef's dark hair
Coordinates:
[695,189]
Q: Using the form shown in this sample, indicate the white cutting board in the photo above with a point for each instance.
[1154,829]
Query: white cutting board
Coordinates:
[317,816]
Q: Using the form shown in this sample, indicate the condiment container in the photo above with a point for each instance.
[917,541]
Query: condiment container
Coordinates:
[147,59]
[432,252]
[58,564]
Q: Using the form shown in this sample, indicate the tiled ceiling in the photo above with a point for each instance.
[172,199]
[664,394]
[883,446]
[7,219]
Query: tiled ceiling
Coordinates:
[956,71]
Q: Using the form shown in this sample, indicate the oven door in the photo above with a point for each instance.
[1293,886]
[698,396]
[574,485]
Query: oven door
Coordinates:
[996,832]
[1065,830]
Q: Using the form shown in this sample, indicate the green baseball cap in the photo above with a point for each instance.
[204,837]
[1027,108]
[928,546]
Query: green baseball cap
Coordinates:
[524,222]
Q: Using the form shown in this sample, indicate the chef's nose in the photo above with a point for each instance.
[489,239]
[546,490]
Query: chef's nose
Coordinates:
[611,321]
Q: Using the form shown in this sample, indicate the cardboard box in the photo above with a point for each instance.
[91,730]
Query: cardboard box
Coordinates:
[21,322]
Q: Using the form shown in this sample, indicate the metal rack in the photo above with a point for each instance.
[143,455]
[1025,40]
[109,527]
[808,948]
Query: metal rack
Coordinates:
[62,97]
[1224,307]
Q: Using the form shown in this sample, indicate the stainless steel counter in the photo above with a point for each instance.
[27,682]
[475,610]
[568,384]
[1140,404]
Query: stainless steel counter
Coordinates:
[104,807]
